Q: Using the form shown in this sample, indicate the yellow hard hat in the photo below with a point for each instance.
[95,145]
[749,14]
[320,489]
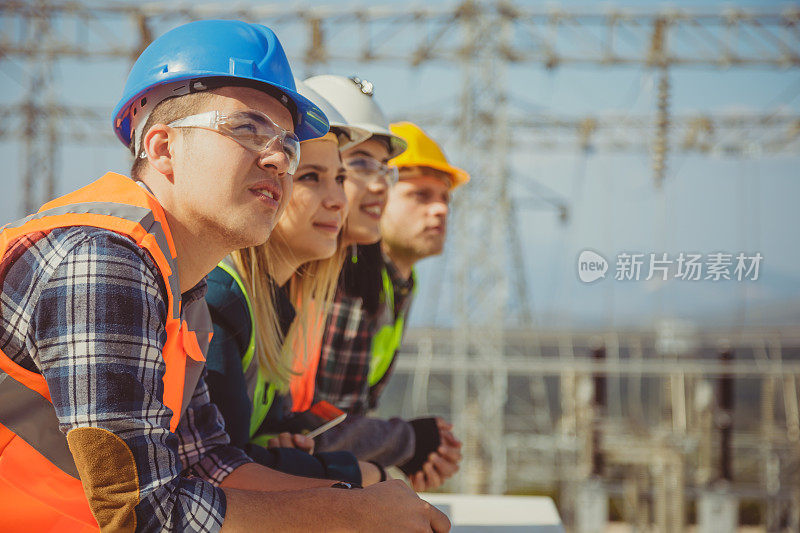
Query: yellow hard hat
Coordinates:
[423,151]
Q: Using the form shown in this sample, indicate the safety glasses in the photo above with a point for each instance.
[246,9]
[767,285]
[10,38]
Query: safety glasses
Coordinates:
[367,170]
[252,129]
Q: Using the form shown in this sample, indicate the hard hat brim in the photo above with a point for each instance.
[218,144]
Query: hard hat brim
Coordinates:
[313,122]
[356,134]
[458,176]
[397,145]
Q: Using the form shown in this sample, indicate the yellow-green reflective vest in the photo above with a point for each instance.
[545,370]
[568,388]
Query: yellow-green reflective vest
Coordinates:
[260,392]
[387,340]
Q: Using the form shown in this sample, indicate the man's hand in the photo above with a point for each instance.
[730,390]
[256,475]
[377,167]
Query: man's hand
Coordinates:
[289,440]
[450,447]
[392,506]
[370,474]
[441,464]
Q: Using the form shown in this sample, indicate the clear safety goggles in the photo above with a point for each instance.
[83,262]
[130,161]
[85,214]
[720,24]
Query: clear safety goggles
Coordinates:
[252,129]
[368,170]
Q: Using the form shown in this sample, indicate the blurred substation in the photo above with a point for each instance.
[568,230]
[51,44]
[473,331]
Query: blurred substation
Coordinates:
[663,425]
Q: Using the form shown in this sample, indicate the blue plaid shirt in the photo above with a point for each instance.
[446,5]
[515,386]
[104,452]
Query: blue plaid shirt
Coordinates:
[86,307]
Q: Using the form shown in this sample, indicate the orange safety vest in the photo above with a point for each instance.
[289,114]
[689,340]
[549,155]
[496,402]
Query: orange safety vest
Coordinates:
[307,349]
[40,489]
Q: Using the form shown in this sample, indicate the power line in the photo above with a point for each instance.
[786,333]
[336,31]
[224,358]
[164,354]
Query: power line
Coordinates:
[549,36]
[774,132]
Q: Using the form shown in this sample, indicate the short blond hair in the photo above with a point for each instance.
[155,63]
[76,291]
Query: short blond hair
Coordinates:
[167,111]
[426,171]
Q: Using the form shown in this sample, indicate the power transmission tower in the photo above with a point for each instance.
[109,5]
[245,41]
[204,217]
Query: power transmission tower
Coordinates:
[482,213]
[40,133]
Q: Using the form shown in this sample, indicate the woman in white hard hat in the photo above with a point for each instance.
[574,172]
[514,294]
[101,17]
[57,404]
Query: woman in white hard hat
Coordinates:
[346,356]
[268,303]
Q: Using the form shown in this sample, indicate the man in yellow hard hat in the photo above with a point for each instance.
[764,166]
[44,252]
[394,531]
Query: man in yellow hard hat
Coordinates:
[413,227]
[414,223]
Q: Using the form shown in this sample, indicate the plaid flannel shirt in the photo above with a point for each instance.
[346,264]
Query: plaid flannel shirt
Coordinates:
[345,356]
[343,371]
[343,380]
[86,307]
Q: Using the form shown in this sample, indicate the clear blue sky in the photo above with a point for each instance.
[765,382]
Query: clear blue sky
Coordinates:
[708,203]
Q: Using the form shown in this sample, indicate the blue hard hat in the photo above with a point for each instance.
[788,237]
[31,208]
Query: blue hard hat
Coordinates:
[205,54]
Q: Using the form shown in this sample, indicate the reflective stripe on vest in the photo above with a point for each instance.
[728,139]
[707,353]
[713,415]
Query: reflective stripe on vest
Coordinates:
[387,339]
[36,468]
[261,393]
[33,419]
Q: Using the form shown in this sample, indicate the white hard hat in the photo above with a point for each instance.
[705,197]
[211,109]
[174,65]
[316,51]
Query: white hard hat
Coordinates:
[348,134]
[352,98]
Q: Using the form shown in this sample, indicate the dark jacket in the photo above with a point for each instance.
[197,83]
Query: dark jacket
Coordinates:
[228,390]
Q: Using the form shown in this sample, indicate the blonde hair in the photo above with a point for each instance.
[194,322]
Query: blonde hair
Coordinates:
[253,266]
[311,290]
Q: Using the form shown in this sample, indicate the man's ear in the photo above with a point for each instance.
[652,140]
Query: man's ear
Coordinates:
[157,144]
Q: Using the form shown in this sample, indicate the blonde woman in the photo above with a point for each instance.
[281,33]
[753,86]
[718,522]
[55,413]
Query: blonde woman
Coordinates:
[268,301]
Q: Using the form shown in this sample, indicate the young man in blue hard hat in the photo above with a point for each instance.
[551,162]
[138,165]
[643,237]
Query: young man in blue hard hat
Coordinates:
[105,419]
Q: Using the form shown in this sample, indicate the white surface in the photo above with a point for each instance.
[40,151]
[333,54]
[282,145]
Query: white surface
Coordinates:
[468,509]
[591,509]
[717,512]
